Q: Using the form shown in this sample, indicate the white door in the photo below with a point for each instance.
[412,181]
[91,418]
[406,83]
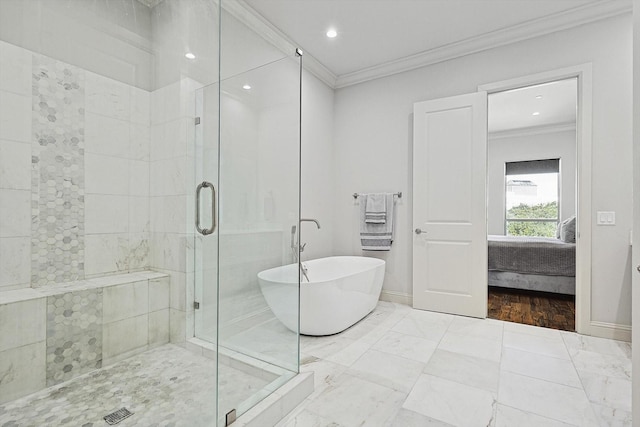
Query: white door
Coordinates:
[449,205]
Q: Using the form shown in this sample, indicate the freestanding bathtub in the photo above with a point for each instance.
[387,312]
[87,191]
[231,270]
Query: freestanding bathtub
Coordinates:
[341,290]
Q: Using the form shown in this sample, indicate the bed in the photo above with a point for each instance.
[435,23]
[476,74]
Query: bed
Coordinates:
[532,263]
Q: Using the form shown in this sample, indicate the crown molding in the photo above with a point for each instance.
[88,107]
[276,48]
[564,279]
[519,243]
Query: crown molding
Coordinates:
[248,16]
[561,21]
[533,130]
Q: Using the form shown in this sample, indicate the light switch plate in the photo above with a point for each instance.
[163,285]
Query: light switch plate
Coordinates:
[606,218]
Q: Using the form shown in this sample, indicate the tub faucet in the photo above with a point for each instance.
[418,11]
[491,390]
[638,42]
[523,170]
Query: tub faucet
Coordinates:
[311,220]
[304,269]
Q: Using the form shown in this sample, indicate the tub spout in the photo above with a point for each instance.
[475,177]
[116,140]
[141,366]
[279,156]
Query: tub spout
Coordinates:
[311,220]
[304,269]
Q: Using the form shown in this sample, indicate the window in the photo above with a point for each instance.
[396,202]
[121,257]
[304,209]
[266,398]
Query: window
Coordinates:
[532,198]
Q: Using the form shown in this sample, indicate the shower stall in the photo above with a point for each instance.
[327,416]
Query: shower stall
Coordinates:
[149,170]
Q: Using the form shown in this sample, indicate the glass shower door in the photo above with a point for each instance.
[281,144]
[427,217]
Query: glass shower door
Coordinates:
[251,157]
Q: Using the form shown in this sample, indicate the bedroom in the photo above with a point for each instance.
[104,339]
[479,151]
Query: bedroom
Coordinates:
[531,176]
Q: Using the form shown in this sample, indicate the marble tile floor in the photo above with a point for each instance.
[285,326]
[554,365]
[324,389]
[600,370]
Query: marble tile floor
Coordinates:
[404,367]
[165,386]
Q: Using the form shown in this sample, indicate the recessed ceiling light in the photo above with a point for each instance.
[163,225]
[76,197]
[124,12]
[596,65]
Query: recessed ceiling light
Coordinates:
[246,87]
[539,97]
[537,113]
[332,33]
[189,55]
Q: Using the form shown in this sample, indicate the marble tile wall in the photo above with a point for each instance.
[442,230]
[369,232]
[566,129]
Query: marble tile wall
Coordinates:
[15,167]
[57,175]
[74,172]
[172,178]
[74,334]
[50,334]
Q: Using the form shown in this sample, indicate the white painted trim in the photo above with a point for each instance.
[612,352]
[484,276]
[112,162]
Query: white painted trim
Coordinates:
[583,72]
[397,297]
[244,13]
[590,12]
[614,331]
[534,130]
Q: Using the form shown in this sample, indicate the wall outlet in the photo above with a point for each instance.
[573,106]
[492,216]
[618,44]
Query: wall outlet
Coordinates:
[606,218]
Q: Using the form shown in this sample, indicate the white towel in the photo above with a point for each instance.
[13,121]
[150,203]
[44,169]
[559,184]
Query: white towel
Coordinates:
[377,236]
[375,208]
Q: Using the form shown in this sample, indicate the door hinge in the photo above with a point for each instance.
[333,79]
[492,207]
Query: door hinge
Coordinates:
[196,305]
[230,417]
[197,120]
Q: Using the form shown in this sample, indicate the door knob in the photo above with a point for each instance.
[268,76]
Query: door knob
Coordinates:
[638,268]
[419,231]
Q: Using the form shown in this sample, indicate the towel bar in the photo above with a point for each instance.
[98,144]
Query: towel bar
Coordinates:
[398,194]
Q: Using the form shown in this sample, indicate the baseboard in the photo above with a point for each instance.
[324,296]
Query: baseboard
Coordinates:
[397,297]
[613,331]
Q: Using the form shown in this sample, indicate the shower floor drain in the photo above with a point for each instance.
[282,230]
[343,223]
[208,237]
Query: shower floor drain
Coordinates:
[117,416]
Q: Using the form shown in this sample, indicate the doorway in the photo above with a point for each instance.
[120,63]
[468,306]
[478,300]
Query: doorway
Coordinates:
[439,284]
[580,77]
[532,204]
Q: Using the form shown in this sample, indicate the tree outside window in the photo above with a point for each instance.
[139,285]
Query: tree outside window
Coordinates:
[532,198]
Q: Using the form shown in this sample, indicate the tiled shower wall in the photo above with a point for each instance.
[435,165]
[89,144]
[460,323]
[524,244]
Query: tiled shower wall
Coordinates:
[74,172]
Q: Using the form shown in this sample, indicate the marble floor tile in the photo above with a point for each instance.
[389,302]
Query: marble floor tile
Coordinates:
[511,417]
[398,367]
[324,347]
[307,419]
[325,373]
[538,344]
[471,346]
[607,391]
[451,402]
[407,418]
[610,417]
[575,342]
[559,402]
[414,348]
[348,355]
[483,328]
[389,370]
[463,369]
[356,402]
[539,366]
[424,324]
[602,364]
[550,334]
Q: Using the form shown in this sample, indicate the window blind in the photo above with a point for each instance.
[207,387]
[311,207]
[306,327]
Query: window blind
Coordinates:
[533,166]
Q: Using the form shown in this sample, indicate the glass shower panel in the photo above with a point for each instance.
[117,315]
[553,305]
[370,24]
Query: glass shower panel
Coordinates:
[259,186]
[206,242]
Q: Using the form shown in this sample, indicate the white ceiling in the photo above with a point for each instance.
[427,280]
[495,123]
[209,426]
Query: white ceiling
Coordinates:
[375,35]
[556,102]
[373,32]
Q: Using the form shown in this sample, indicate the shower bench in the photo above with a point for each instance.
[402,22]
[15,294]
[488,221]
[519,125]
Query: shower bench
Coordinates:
[53,333]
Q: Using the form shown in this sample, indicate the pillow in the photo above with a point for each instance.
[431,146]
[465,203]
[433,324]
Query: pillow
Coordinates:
[568,230]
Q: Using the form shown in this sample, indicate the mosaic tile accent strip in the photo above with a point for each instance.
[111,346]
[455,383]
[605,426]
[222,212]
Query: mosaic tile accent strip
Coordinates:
[57,204]
[74,334]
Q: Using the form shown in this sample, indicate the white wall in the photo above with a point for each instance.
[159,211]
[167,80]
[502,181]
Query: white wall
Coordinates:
[530,146]
[317,167]
[373,144]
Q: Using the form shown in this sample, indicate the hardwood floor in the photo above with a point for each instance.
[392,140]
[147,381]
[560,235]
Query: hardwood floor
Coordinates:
[533,308]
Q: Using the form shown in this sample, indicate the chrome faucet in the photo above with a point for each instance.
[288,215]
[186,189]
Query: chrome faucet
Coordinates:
[311,220]
[304,269]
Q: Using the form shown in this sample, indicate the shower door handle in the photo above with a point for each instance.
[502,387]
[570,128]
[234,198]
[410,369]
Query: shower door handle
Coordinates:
[206,231]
